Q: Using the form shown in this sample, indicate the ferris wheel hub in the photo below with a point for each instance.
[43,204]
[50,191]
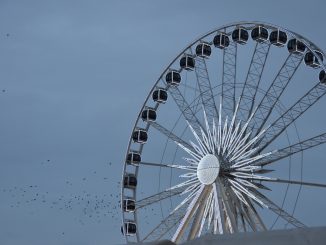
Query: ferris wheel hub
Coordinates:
[208,169]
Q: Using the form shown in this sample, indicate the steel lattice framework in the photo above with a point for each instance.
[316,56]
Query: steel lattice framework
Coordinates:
[211,161]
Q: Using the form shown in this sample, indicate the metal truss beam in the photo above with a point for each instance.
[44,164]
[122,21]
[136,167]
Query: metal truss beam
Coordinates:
[293,113]
[279,211]
[159,196]
[229,78]
[274,92]
[293,149]
[249,90]
[171,135]
[167,224]
[185,109]
[205,88]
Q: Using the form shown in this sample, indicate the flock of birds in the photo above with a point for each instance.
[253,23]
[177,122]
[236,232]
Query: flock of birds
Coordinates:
[86,205]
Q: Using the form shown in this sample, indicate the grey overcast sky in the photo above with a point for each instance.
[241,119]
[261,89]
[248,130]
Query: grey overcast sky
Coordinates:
[73,76]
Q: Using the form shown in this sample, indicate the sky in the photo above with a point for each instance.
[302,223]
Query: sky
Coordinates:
[73,77]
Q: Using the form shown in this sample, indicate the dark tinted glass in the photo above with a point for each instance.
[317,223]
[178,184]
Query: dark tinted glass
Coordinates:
[183,62]
[143,136]
[217,40]
[322,76]
[163,95]
[199,49]
[190,62]
[152,115]
[244,35]
[155,95]
[168,77]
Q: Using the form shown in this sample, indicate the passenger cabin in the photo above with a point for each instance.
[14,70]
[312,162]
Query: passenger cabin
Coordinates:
[240,35]
[133,158]
[187,63]
[296,47]
[278,38]
[149,114]
[203,50]
[130,181]
[128,205]
[259,34]
[130,228]
[160,95]
[311,60]
[322,77]
[221,41]
[140,136]
[173,78]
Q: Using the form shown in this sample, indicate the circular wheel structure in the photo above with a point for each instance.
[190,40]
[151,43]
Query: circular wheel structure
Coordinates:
[218,144]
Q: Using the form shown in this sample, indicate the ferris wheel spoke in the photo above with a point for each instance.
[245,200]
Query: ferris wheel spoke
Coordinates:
[199,216]
[229,78]
[279,211]
[166,225]
[205,87]
[253,78]
[294,182]
[254,216]
[175,166]
[218,211]
[292,114]
[293,149]
[228,207]
[160,196]
[192,208]
[275,91]
[171,136]
[185,108]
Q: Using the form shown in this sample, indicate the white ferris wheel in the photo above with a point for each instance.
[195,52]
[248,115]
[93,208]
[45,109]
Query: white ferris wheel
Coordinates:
[222,130]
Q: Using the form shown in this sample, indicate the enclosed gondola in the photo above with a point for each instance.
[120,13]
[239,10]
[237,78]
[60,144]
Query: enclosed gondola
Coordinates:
[160,95]
[259,34]
[240,35]
[296,47]
[128,205]
[311,60]
[221,41]
[130,181]
[278,38]
[130,228]
[322,77]
[149,114]
[203,50]
[173,78]
[140,136]
[133,158]
[187,62]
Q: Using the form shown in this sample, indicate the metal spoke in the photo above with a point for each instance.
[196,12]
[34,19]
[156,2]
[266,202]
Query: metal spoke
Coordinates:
[253,78]
[175,166]
[159,196]
[195,226]
[293,149]
[190,212]
[185,109]
[279,211]
[275,91]
[293,113]
[171,135]
[205,88]
[228,206]
[167,224]
[229,78]
[295,182]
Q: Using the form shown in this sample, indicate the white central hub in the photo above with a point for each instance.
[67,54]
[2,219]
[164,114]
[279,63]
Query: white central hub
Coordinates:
[208,169]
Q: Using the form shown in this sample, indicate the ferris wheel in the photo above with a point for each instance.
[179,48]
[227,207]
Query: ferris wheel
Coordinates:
[219,141]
